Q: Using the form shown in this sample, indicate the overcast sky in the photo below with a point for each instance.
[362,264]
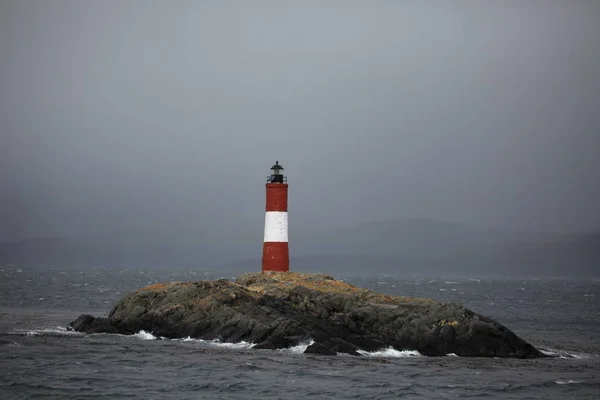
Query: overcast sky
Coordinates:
[120,116]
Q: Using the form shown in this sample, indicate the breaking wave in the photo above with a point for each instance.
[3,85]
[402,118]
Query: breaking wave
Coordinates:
[565,355]
[569,382]
[218,343]
[391,352]
[145,335]
[299,348]
[55,330]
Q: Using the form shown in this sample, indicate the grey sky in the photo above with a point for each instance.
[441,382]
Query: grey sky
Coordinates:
[137,115]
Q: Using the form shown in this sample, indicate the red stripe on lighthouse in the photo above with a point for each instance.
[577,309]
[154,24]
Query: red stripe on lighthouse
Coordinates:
[277,195]
[275,248]
[276,256]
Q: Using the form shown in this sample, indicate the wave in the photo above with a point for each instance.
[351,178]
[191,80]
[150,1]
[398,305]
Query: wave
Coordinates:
[564,354]
[299,348]
[391,352]
[218,343]
[55,330]
[145,335]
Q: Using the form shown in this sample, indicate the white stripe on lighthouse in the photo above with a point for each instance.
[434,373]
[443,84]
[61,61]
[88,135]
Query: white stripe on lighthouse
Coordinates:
[276,226]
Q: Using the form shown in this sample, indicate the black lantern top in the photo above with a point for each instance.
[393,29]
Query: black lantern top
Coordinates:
[276,174]
[276,169]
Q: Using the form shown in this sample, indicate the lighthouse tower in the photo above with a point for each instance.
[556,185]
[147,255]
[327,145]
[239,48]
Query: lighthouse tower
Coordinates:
[275,248]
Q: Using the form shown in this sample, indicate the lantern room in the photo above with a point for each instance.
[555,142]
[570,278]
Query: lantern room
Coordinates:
[277,174]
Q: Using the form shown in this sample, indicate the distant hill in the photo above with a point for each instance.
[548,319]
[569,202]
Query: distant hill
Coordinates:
[413,246]
[423,246]
[413,237]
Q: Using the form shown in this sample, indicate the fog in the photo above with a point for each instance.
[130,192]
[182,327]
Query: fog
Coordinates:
[163,118]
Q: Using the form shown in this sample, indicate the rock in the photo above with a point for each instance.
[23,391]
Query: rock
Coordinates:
[281,310]
[318,348]
[87,323]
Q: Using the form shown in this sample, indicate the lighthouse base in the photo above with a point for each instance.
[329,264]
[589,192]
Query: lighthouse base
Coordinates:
[276,256]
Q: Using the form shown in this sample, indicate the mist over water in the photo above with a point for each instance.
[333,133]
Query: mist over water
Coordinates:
[451,138]
[148,122]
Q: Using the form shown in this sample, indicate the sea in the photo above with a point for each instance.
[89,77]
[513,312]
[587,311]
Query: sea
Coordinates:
[41,359]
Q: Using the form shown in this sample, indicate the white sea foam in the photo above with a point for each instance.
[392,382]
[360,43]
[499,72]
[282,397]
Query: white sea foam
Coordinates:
[391,352]
[299,348]
[451,355]
[145,335]
[218,343]
[238,345]
[56,330]
[564,354]
[569,382]
[549,352]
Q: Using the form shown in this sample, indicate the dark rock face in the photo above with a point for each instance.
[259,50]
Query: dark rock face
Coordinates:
[89,324]
[279,310]
[318,348]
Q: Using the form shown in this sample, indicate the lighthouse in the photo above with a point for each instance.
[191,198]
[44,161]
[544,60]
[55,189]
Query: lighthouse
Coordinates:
[276,255]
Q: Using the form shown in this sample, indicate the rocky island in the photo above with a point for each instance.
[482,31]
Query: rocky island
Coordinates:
[281,309]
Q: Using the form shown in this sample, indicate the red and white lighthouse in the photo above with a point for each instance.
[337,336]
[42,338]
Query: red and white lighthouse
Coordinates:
[276,256]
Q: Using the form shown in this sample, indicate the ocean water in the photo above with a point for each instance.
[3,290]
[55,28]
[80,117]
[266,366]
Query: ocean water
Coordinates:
[40,359]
